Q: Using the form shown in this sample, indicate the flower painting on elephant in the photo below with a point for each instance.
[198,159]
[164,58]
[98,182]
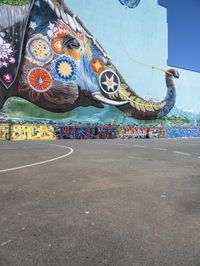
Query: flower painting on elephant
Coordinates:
[51,60]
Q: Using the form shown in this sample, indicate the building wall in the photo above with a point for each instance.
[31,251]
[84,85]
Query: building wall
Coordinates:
[135,38]
[53,132]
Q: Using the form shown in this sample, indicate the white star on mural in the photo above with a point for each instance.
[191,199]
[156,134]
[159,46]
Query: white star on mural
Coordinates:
[110,83]
[37,3]
[4,64]
[51,30]
[32,25]
[51,26]
[8,78]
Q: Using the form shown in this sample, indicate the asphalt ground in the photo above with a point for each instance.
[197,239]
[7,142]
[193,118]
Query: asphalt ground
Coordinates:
[109,202]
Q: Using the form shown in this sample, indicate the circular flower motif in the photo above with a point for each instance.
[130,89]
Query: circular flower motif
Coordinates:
[64,69]
[39,50]
[39,79]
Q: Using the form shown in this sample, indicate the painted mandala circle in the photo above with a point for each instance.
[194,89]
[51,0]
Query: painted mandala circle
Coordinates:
[39,50]
[109,81]
[64,69]
[39,79]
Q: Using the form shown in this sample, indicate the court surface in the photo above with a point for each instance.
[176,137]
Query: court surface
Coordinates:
[100,202]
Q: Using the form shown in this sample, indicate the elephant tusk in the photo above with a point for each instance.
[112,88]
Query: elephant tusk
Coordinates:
[99,97]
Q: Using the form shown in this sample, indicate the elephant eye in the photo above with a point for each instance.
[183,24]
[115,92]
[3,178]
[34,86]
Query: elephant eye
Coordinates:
[71,42]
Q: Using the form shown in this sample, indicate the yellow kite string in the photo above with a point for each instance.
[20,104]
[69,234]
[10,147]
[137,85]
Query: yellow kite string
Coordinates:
[137,61]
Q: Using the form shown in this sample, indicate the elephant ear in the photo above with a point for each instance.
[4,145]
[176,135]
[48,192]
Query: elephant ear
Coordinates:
[13,23]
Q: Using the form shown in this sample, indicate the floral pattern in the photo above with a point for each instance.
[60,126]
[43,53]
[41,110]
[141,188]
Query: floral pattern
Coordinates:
[64,69]
[6,53]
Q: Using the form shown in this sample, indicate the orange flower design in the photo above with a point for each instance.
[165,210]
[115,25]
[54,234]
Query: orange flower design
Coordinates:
[39,79]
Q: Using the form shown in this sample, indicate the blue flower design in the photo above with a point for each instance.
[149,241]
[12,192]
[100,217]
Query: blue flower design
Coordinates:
[64,69]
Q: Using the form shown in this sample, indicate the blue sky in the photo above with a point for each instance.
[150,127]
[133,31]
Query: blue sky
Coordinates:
[184,38]
[144,32]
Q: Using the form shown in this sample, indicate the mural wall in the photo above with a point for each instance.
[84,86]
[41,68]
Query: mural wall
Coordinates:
[52,132]
[31,132]
[53,67]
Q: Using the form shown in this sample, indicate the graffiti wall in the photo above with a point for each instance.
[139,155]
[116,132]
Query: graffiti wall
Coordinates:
[63,60]
[4,131]
[53,132]
[86,132]
[32,132]
[182,133]
[129,132]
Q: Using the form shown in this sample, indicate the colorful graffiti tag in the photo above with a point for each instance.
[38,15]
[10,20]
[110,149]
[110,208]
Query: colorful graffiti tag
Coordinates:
[86,132]
[4,131]
[32,132]
[182,132]
[10,131]
[53,132]
[129,132]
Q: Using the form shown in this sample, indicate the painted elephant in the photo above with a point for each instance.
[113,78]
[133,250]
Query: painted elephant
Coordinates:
[48,57]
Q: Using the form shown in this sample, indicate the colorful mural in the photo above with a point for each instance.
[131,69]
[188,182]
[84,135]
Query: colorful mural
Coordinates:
[34,131]
[52,66]
[31,132]
[63,66]
[4,131]
[53,132]
[182,133]
[86,132]
[129,132]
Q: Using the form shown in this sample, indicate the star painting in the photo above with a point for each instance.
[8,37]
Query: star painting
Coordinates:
[109,82]
[97,66]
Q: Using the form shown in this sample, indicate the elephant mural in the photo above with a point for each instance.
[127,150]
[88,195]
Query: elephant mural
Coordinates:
[48,57]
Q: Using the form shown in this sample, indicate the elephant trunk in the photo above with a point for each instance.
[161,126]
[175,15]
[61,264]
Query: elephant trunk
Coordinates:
[139,108]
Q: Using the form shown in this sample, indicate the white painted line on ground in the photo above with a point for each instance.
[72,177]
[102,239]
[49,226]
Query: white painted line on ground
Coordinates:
[160,149]
[134,157]
[137,158]
[182,153]
[43,162]
[120,144]
[139,146]
[5,243]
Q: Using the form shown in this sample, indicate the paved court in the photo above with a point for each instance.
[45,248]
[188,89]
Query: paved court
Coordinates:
[100,202]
